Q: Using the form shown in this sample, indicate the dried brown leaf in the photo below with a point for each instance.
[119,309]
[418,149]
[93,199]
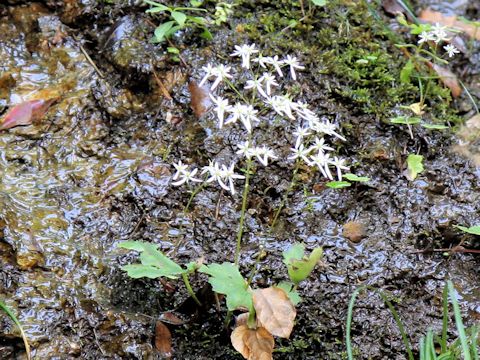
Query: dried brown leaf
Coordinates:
[253,344]
[199,100]
[163,339]
[274,310]
[170,318]
[450,21]
[25,113]
[392,7]
[448,79]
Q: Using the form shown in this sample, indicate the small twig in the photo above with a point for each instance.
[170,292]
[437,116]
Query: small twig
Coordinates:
[161,85]
[89,59]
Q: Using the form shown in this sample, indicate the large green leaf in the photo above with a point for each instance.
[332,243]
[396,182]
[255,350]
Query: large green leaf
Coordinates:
[226,279]
[154,262]
[162,30]
[299,266]
[179,17]
[475,230]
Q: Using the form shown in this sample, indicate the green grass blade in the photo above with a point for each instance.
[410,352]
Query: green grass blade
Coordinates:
[348,339]
[459,323]
[12,316]
[443,342]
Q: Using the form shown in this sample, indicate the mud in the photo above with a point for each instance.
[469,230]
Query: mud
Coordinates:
[97,171]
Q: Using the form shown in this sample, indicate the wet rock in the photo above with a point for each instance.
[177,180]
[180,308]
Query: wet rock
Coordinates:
[127,47]
[354,231]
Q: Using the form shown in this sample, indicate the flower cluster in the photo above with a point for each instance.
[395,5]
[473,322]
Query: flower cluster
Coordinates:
[309,142]
[438,34]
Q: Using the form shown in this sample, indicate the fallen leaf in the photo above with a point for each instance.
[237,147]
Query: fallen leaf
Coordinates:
[392,7]
[25,113]
[170,318]
[163,340]
[253,344]
[199,101]
[448,79]
[451,21]
[275,311]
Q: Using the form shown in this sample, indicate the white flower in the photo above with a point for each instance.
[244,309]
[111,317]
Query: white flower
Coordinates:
[214,171]
[229,175]
[327,128]
[282,105]
[426,36]
[269,81]
[246,114]
[300,152]
[451,50]
[338,163]
[262,60]
[321,161]
[275,63]
[187,176]
[440,33]
[245,149]
[320,145]
[263,154]
[257,84]
[292,61]
[181,169]
[208,72]
[221,72]
[245,51]
[220,108]
[300,134]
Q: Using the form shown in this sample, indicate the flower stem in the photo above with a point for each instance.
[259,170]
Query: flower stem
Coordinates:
[244,208]
[285,196]
[189,289]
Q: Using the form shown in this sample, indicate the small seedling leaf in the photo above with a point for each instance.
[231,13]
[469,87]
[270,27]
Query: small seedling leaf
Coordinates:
[179,17]
[157,7]
[338,184]
[253,344]
[353,177]
[294,252]
[414,166]
[152,259]
[405,120]
[434,126]
[475,230]
[300,268]
[275,311]
[206,34]
[137,271]
[162,30]
[196,3]
[292,294]
[319,2]
[226,279]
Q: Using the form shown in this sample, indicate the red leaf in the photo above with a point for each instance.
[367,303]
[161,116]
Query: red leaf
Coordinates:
[25,113]
[163,340]
[199,101]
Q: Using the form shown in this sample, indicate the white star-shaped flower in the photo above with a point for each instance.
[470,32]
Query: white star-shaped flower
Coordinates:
[221,72]
[256,84]
[269,81]
[300,152]
[277,64]
[221,106]
[245,51]
[292,61]
[339,164]
[186,177]
[263,154]
[321,161]
[229,175]
[451,50]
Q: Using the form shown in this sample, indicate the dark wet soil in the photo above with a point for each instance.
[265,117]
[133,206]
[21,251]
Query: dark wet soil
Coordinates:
[97,171]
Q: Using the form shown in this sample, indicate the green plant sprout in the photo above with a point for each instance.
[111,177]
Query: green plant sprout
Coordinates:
[474,230]
[12,316]
[344,184]
[179,19]
[414,166]
[273,307]
[431,347]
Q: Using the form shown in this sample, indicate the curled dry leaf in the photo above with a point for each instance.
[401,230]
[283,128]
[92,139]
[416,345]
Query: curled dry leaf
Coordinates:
[448,79]
[25,113]
[274,310]
[392,7]
[199,101]
[170,318]
[451,21]
[253,344]
[163,339]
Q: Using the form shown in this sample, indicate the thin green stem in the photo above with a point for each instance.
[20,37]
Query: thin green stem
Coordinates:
[192,196]
[12,316]
[293,182]
[229,83]
[252,320]
[189,289]
[244,208]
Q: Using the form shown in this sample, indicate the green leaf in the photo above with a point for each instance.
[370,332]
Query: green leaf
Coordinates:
[151,258]
[434,126]
[319,2]
[292,294]
[206,34]
[475,230]
[196,3]
[414,165]
[226,279]
[353,177]
[157,7]
[338,184]
[173,50]
[179,17]
[172,31]
[406,72]
[160,32]
[299,267]
[405,120]
[197,20]
[138,271]
[192,267]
